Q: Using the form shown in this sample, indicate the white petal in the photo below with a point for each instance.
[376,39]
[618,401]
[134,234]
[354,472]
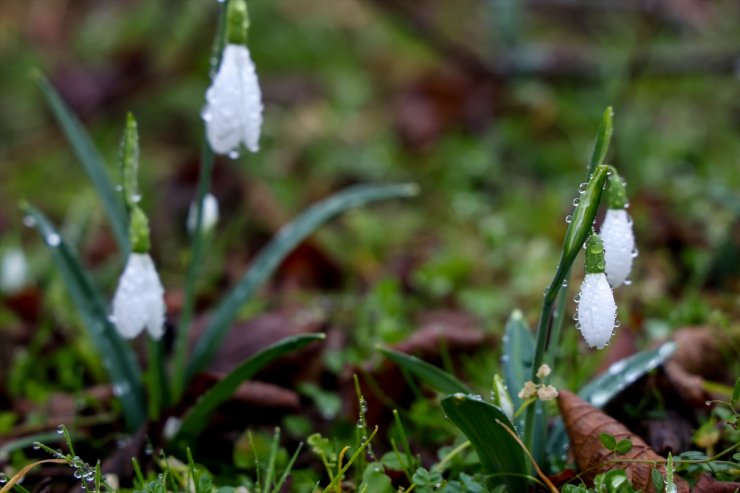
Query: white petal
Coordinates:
[13,271]
[139,299]
[210,213]
[619,245]
[597,311]
[233,111]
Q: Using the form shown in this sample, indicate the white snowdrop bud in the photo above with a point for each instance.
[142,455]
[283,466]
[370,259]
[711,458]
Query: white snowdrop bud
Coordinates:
[210,214]
[597,311]
[13,271]
[619,245]
[233,111]
[139,299]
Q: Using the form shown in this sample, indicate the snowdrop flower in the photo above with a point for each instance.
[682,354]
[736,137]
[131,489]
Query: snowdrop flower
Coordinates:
[139,300]
[597,311]
[233,111]
[543,371]
[13,271]
[616,231]
[210,214]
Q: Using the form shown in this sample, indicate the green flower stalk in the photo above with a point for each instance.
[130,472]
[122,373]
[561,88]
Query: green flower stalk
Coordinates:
[578,230]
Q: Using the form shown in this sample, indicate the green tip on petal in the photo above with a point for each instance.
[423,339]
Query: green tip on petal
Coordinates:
[138,231]
[616,191]
[595,263]
[237,22]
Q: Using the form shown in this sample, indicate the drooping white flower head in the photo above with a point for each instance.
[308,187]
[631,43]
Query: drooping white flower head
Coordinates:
[233,111]
[139,300]
[619,245]
[210,213]
[13,271]
[597,311]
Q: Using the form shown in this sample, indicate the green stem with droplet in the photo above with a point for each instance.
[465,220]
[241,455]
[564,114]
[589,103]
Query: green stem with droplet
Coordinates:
[578,230]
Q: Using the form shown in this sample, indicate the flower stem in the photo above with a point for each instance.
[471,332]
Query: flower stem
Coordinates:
[191,280]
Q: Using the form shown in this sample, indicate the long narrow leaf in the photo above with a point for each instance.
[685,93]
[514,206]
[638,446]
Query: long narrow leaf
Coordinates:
[90,160]
[603,138]
[436,378]
[602,389]
[197,417]
[497,450]
[117,356]
[517,355]
[290,236]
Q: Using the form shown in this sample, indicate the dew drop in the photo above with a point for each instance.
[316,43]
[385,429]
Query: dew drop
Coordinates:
[576,201]
[53,240]
[565,283]
[582,187]
[36,445]
[568,218]
[234,154]
[119,188]
[29,221]
[206,115]
[627,282]
[136,198]
[635,253]
[60,429]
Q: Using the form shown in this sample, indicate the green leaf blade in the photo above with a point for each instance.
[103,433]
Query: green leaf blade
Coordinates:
[498,451]
[290,236]
[197,417]
[117,356]
[517,355]
[89,158]
[436,378]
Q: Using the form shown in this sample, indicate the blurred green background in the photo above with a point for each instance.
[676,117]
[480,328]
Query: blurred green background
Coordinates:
[491,106]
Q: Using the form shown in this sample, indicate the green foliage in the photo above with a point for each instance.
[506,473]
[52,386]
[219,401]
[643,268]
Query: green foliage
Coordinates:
[611,443]
[484,425]
[438,379]
[117,356]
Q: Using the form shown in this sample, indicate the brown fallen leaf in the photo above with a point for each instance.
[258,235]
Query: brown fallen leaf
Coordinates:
[707,484]
[584,423]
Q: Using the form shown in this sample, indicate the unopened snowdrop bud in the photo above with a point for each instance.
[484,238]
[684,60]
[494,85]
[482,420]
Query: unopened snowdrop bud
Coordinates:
[233,111]
[210,214]
[139,300]
[13,271]
[616,231]
[596,308]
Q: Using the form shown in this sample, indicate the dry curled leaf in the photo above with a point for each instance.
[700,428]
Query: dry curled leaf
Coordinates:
[584,423]
[707,484]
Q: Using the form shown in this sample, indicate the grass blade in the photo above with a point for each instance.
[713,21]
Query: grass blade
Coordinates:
[498,451]
[436,378]
[599,391]
[290,236]
[197,418]
[90,160]
[117,356]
